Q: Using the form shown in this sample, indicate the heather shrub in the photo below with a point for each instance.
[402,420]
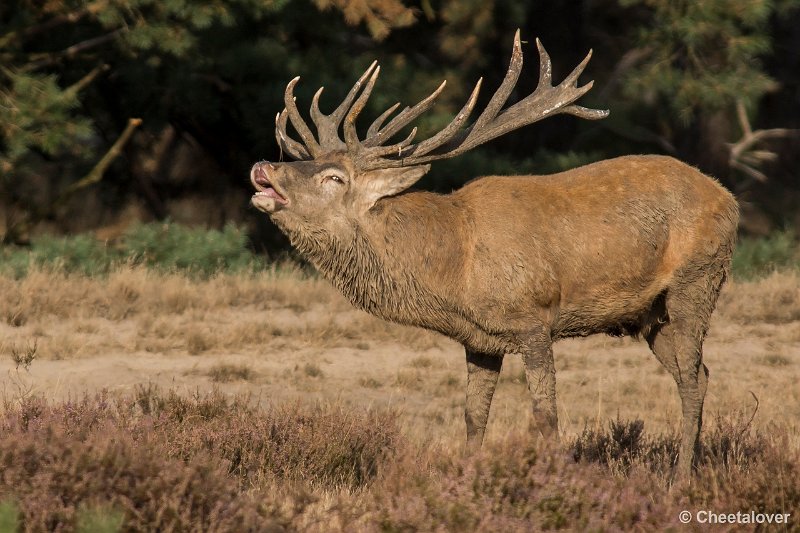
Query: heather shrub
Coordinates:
[319,445]
[624,445]
[515,486]
[726,443]
[53,472]
[729,443]
[159,461]
[768,482]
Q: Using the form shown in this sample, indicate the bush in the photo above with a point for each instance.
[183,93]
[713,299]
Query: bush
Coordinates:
[194,250]
[161,462]
[80,253]
[727,444]
[327,446]
[164,247]
[625,445]
[517,486]
[56,462]
[759,257]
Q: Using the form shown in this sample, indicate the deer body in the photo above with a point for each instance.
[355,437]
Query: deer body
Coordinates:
[484,262]
[637,245]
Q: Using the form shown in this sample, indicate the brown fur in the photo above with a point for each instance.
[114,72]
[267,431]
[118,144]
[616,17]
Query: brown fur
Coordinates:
[634,245]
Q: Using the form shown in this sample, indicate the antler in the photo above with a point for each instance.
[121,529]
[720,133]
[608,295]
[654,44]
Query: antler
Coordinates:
[371,153]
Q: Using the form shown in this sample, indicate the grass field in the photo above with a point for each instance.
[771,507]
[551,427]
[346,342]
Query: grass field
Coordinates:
[311,415]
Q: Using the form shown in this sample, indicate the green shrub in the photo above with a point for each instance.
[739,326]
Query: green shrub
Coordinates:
[161,246]
[758,257]
[193,250]
[79,253]
[9,516]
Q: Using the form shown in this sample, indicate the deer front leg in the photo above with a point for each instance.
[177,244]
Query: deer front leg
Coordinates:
[482,373]
[540,373]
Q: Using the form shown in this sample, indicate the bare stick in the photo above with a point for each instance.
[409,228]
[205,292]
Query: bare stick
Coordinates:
[743,156]
[96,174]
[49,59]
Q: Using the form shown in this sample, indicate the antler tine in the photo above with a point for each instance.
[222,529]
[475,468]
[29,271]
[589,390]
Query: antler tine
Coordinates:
[297,121]
[394,149]
[350,134]
[586,112]
[328,125]
[316,115]
[340,111]
[404,118]
[503,92]
[545,67]
[444,136]
[287,144]
[376,125]
[572,79]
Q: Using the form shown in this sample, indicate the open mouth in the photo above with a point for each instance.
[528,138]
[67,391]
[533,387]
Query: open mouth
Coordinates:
[265,188]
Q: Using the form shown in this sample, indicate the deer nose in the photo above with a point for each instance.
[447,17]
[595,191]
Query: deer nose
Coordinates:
[259,174]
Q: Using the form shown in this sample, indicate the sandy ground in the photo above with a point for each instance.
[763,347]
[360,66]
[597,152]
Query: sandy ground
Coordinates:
[328,352]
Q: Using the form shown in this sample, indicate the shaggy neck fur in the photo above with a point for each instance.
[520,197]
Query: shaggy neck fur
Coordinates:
[379,279]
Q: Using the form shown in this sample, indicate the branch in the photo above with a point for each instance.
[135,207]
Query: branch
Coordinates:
[72,51]
[743,156]
[96,174]
[82,83]
[49,24]
[629,60]
[16,230]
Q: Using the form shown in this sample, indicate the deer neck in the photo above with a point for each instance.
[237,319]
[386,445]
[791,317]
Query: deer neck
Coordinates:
[393,262]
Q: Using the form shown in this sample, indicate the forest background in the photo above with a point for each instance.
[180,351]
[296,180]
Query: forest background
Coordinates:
[121,111]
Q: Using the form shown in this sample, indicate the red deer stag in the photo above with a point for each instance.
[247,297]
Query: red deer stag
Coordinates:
[637,245]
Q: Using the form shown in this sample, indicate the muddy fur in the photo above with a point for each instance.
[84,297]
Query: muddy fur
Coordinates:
[637,245]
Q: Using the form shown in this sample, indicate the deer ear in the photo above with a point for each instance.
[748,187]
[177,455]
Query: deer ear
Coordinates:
[390,181]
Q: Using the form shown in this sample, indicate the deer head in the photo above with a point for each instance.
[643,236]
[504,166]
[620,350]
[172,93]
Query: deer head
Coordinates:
[338,179]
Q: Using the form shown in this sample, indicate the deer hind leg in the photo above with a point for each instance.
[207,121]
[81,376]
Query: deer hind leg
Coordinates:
[540,373]
[482,373]
[678,345]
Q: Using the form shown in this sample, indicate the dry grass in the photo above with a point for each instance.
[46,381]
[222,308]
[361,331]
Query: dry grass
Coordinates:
[226,372]
[773,300]
[139,325]
[73,315]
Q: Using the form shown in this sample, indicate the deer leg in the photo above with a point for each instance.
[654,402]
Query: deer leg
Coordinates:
[540,373]
[678,345]
[482,373]
[680,351]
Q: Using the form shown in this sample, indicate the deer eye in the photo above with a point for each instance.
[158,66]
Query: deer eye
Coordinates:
[334,177]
